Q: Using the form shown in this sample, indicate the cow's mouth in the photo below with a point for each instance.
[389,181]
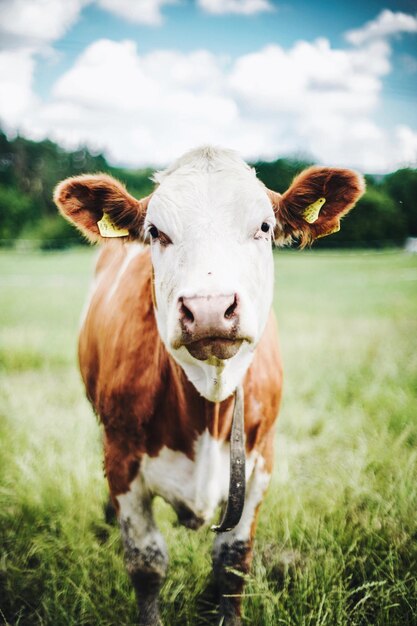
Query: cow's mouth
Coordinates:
[218,347]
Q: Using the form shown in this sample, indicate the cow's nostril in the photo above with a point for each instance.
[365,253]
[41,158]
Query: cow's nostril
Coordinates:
[185,312]
[230,311]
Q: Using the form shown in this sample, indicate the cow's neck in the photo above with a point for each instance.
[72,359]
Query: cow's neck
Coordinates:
[193,408]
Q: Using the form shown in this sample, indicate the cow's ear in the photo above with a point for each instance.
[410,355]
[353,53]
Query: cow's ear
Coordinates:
[100,207]
[314,203]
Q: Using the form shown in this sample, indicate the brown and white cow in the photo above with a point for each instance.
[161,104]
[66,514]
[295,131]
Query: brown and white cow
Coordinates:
[174,327]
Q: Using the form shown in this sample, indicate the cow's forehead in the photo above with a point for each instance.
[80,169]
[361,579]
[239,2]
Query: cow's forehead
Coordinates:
[204,159]
[209,185]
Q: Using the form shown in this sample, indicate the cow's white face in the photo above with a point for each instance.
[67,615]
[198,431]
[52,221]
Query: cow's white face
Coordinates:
[211,223]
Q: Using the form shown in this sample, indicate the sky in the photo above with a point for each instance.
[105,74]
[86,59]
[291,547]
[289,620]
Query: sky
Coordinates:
[145,80]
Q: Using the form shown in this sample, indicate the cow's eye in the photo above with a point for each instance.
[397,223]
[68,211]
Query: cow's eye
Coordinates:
[154,232]
[157,235]
[264,231]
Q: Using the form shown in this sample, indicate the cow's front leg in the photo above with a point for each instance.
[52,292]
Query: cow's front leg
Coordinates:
[232,551]
[145,550]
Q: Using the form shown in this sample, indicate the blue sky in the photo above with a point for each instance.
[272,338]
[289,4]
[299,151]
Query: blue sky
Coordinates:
[145,79]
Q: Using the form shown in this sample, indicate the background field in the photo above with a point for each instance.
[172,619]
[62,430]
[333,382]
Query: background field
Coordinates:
[337,541]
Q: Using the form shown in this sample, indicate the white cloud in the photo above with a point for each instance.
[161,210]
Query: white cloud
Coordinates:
[243,7]
[311,78]
[359,142]
[148,108]
[322,101]
[139,11]
[16,73]
[27,29]
[385,25]
[145,108]
[406,143]
[37,22]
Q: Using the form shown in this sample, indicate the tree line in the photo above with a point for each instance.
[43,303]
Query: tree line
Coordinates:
[29,170]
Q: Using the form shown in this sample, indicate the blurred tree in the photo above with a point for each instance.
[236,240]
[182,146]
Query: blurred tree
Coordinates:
[54,233]
[138,182]
[14,212]
[402,187]
[278,175]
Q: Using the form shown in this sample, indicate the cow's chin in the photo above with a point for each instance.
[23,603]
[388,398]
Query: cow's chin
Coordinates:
[219,348]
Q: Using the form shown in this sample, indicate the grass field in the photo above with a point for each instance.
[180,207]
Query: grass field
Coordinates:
[337,540]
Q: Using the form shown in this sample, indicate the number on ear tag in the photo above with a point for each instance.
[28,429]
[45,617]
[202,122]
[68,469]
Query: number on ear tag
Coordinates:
[108,229]
[311,213]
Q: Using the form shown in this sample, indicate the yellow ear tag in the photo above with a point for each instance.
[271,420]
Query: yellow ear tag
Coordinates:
[311,213]
[108,229]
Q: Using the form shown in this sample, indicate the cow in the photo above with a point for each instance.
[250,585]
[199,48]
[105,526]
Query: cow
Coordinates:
[178,319]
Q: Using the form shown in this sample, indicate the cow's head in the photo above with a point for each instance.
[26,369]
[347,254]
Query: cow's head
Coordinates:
[211,223]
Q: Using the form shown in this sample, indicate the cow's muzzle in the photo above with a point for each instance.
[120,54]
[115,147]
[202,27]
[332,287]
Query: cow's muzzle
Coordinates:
[210,325]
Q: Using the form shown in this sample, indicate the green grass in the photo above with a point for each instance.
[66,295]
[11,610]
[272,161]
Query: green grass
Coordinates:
[337,538]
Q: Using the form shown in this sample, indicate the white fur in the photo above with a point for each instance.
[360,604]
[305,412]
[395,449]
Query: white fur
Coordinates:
[202,483]
[211,205]
[131,251]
